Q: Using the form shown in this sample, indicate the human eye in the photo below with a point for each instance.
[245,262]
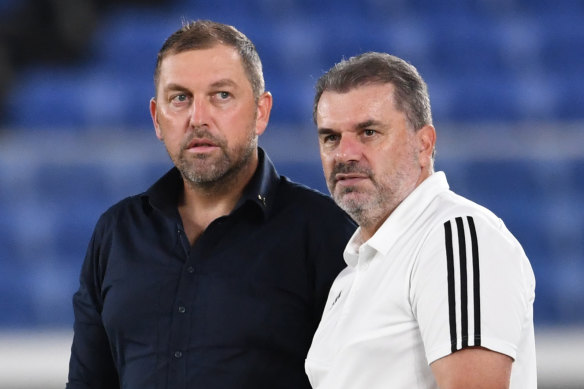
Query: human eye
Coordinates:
[179,99]
[369,132]
[222,95]
[329,138]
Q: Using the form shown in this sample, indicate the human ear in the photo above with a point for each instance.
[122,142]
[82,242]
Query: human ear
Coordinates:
[154,117]
[264,107]
[427,142]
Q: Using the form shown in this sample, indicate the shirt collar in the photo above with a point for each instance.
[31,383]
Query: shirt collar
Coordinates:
[404,215]
[260,190]
[164,193]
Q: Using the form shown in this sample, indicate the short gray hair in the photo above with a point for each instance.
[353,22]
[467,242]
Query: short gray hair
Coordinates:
[411,92]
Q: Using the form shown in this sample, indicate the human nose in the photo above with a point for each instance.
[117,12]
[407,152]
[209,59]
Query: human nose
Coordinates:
[349,149]
[199,113]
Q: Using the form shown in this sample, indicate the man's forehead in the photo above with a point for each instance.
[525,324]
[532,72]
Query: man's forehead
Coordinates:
[213,65]
[218,52]
[371,87]
[361,95]
[367,104]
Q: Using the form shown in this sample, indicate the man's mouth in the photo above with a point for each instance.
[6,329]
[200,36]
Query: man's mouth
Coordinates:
[201,145]
[347,175]
[348,179]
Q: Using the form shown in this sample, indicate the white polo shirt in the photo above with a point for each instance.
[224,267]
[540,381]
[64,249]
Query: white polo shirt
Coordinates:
[442,273]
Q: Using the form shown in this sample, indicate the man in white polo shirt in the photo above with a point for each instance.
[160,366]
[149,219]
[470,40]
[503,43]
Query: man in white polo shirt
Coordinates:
[437,292]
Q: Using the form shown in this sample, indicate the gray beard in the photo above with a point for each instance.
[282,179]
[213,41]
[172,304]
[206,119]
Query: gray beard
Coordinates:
[207,173]
[365,214]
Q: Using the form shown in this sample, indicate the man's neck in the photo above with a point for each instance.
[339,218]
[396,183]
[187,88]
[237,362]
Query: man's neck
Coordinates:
[200,205]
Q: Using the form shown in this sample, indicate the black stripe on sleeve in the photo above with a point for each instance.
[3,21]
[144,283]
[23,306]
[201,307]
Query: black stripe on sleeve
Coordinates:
[451,290]
[463,283]
[475,282]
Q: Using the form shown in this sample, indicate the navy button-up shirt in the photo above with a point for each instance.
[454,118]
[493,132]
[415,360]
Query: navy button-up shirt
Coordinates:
[237,310]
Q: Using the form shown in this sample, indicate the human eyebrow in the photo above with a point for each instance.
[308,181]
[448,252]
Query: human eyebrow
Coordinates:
[175,87]
[325,131]
[368,123]
[226,82]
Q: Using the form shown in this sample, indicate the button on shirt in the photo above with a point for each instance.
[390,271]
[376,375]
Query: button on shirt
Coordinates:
[238,309]
[439,275]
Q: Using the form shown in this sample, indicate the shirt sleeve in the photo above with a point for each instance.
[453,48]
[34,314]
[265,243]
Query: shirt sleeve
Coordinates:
[471,285]
[91,364]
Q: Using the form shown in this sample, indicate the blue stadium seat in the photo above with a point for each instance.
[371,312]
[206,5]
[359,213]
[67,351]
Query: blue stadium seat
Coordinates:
[464,43]
[292,101]
[513,191]
[517,62]
[544,7]
[128,40]
[47,97]
[488,98]
[569,291]
[461,43]
[16,302]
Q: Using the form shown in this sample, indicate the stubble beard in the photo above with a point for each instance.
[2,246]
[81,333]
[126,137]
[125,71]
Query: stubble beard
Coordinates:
[369,207]
[209,171]
[353,200]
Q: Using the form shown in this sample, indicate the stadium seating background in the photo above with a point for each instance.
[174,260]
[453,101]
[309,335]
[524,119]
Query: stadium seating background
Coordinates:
[505,80]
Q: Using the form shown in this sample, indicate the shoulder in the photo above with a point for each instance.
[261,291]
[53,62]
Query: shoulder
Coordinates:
[457,225]
[122,211]
[108,227]
[450,208]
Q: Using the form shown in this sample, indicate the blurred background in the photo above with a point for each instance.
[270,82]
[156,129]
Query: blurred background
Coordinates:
[506,83]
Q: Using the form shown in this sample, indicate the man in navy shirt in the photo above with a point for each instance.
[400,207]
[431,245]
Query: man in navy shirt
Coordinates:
[217,275]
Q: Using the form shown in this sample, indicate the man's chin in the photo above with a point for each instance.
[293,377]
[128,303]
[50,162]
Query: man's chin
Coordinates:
[351,192]
[352,199]
[202,176]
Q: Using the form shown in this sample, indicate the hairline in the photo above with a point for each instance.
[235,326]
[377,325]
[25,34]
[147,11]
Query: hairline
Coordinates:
[175,51]
[212,34]
[369,81]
